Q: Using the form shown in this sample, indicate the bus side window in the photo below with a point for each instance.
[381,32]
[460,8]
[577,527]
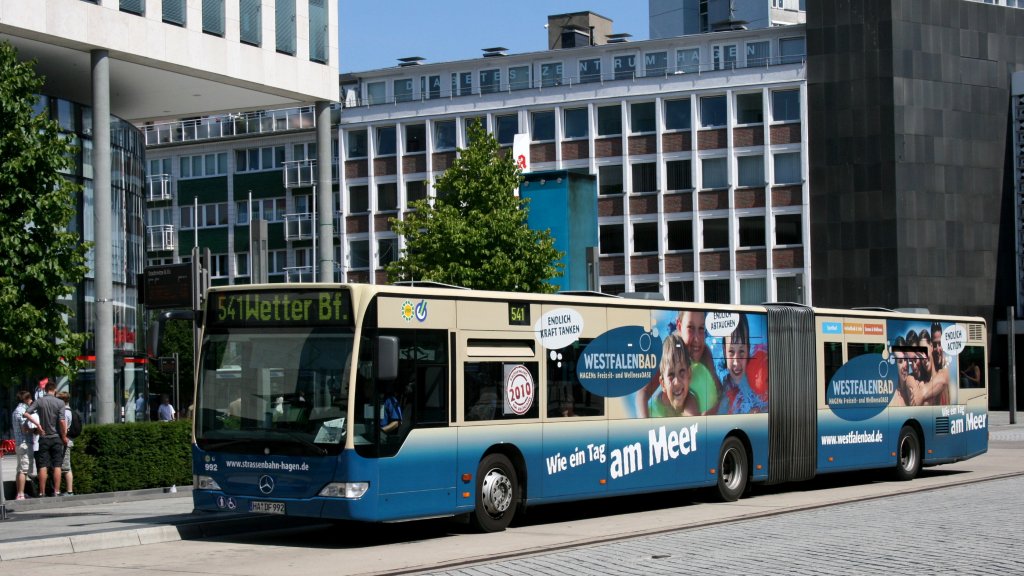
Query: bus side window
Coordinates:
[566,396]
[833,355]
[971,374]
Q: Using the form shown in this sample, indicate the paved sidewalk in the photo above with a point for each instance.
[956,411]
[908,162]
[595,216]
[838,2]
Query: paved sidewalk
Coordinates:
[63,525]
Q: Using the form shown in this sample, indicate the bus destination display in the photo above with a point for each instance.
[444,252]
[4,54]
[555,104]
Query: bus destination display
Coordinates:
[280,308]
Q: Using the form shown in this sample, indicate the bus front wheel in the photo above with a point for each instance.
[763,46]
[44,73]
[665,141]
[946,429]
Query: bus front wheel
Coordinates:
[733,470]
[908,454]
[497,494]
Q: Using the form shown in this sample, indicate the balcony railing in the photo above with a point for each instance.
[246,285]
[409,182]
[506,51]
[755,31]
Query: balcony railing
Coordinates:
[227,125]
[303,173]
[298,226]
[161,237]
[298,274]
[158,187]
[302,227]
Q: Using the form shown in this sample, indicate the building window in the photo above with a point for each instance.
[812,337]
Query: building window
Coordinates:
[444,135]
[681,291]
[750,170]
[590,70]
[577,123]
[259,159]
[758,54]
[415,138]
[213,17]
[219,266]
[241,264]
[387,197]
[358,199]
[677,114]
[753,290]
[712,111]
[609,179]
[678,175]
[507,127]
[655,63]
[751,231]
[645,237]
[376,93]
[277,261]
[680,235]
[543,125]
[387,251]
[269,209]
[551,74]
[789,289]
[433,88]
[645,177]
[133,6]
[204,165]
[788,230]
[786,105]
[250,22]
[611,239]
[519,78]
[641,117]
[749,108]
[716,233]
[359,254]
[386,141]
[357,143]
[715,172]
[614,289]
[402,89]
[787,168]
[609,120]
[624,67]
[688,60]
[284,13]
[716,291]
[415,190]
[792,50]
[318,31]
[490,81]
[207,215]
[723,57]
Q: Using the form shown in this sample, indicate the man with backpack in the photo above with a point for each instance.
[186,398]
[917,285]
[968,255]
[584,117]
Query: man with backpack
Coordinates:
[53,438]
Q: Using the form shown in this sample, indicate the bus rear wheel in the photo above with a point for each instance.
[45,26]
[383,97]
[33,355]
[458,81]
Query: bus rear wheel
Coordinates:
[733,470]
[497,494]
[908,454]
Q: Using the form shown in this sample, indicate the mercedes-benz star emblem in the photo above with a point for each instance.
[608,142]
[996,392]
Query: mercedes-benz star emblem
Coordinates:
[266,484]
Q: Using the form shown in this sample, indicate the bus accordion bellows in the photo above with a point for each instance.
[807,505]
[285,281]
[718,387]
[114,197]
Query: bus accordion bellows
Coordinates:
[384,403]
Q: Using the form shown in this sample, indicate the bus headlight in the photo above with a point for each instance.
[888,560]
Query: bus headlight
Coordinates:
[204,483]
[353,490]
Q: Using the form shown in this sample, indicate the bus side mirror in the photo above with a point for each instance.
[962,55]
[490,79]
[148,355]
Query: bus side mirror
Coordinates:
[387,358]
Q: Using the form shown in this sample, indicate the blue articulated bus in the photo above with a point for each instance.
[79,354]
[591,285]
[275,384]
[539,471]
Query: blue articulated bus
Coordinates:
[389,403]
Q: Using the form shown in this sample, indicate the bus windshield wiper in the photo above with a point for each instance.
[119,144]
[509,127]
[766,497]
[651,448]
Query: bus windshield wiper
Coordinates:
[318,450]
[216,445]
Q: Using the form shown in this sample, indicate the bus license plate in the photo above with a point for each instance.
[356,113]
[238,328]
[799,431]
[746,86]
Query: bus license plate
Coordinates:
[266,507]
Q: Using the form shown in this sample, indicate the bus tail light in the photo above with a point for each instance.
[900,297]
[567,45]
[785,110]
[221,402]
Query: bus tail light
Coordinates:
[353,490]
[204,483]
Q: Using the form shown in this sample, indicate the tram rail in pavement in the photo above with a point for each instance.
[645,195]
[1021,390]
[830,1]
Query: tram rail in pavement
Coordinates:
[63,525]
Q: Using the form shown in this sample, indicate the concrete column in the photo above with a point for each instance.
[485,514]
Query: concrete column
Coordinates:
[104,305]
[324,192]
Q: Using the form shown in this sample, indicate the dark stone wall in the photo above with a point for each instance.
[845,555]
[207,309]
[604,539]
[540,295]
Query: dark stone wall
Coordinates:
[909,109]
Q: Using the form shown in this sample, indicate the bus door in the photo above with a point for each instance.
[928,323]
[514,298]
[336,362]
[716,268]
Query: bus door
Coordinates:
[406,421]
[859,382]
[575,454]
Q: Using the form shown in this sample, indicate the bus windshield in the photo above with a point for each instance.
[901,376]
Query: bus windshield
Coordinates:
[283,389]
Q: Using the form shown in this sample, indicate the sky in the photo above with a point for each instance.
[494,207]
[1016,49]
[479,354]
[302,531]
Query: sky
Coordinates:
[374,34]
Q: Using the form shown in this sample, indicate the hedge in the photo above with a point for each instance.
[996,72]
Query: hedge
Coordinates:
[132,456]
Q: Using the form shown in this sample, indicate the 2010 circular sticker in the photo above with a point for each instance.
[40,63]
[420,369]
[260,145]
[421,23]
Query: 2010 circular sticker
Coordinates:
[519,389]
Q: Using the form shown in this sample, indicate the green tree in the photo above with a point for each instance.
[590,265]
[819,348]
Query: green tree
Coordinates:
[475,233]
[42,261]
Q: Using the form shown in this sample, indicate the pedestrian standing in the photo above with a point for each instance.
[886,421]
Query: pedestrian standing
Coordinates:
[69,478]
[24,431]
[166,411]
[53,439]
